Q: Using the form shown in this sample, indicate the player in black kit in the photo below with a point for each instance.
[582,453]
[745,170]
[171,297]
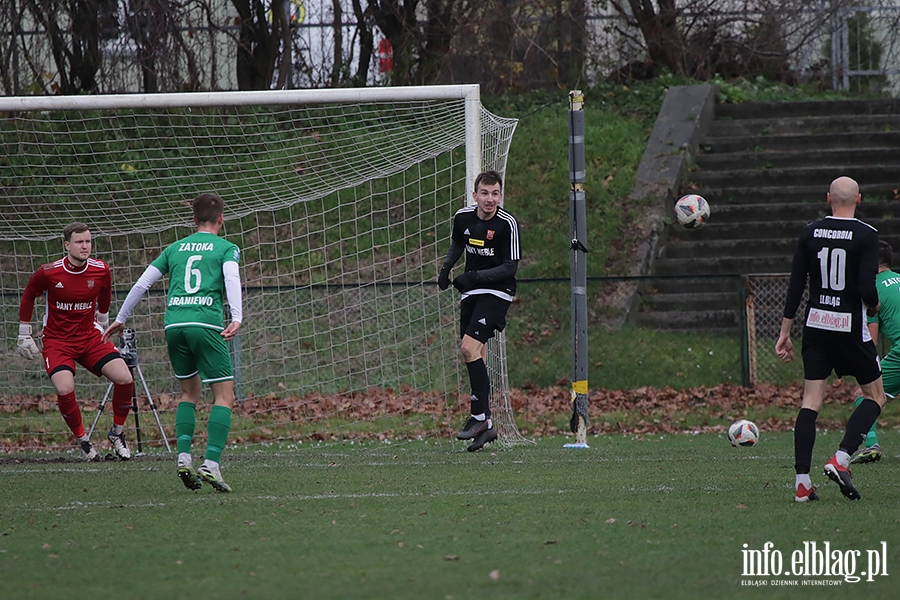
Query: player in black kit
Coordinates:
[839,254]
[490,238]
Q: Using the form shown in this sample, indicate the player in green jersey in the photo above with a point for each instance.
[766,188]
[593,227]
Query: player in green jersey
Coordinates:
[203,270]
[885,324]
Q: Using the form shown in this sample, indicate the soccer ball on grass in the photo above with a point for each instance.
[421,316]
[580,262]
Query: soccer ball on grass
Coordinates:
[692,211]
[743,433]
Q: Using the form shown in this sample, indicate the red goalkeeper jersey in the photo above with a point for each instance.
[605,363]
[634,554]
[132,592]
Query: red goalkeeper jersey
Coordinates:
[73,294]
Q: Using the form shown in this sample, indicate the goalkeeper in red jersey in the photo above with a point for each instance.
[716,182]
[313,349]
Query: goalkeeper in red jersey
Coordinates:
[77,290]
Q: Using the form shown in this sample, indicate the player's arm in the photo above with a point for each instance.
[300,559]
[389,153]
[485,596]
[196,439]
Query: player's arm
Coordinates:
[104,300]
[150,276]
[25,345]
[797,283]
[453,254]
[873,330]
[505,270]
[784,347]
[235,297]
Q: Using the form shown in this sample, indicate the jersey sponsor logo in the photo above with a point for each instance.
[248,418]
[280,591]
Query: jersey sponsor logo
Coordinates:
[195,247]
[490,234]
[833,234]
[829,320]
[74,305]
[190,301]
[480,251]
[474,242]
[59,285]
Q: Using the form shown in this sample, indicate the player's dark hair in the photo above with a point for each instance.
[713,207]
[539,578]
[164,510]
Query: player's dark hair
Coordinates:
[885,254]
[208,207]
[74,228]
[489,178]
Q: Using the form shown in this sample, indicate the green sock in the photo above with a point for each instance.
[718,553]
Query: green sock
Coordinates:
[218,427]
[185,421]
[872,436]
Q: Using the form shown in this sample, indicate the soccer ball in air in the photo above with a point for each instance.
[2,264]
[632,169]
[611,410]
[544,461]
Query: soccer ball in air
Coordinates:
[692,211]
[743,433]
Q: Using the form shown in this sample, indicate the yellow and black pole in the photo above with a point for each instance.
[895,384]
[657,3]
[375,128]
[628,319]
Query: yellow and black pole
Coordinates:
[578,271]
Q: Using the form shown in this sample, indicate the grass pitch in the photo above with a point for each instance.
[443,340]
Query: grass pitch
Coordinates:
[652,517]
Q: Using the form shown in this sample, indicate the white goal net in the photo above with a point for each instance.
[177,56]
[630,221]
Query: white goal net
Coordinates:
[341,201]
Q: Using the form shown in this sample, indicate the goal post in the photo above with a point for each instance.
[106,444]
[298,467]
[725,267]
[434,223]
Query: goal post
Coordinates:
[341,201]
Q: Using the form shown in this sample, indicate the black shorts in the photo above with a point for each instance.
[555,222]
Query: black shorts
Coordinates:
[845,354]
[482,314]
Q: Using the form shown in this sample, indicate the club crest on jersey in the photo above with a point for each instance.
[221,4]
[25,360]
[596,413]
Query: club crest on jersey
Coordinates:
[490,234]
[474,242]
[90,284]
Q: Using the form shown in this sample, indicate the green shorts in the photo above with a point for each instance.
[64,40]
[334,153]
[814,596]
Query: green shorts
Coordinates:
[890,372]
[194,350]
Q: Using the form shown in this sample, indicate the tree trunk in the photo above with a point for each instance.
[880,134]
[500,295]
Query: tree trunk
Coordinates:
[366,46]
[661,34]
[257,47]
[337,27]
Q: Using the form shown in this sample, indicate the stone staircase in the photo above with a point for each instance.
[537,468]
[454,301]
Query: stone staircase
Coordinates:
[765,169]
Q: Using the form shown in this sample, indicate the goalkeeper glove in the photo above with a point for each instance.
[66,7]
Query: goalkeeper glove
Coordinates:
[444,278]
[102,320]
[26,346]
[466,281]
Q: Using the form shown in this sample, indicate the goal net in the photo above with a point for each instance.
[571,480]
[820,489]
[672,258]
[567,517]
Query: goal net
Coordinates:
[341,201]
[764,307]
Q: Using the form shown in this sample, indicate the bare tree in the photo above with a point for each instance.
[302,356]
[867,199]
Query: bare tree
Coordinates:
[419,48]
[366,44]
[76,53]
[149,26]
[700,39]
[258,43]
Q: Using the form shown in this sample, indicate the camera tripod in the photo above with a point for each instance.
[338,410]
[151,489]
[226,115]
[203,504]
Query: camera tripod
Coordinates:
[128,350]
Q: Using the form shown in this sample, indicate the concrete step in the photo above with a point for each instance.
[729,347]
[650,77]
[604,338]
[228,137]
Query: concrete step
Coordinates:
[725,265]
[690,301]
[692,285]
[762,110]
[820,124]
[800,141]
[688,250]
[798,211]
[807,157]
[756,194]
[741,176]
[756,230]
[691,320]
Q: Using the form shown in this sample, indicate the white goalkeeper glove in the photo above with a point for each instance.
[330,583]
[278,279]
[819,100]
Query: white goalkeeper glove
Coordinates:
[26,346]
[102,319]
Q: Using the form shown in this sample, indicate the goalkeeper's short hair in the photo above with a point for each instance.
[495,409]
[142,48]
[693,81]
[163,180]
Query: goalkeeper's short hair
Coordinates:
[489,178]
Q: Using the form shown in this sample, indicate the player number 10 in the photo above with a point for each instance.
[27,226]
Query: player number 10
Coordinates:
[833,277]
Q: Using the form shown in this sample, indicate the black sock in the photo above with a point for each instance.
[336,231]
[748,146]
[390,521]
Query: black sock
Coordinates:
[804,440]
[859,424]
[481,387]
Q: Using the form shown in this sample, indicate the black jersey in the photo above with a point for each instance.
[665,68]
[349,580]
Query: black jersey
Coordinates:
[840,256]
[488,244]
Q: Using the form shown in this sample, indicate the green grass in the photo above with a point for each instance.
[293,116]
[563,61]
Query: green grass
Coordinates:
[658,517]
